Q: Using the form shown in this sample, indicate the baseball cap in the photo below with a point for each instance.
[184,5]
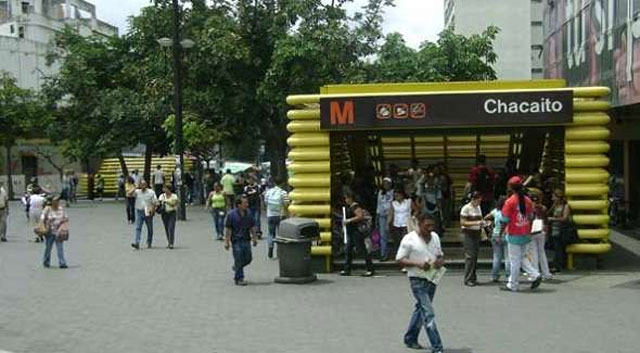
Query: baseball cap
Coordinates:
[516,180]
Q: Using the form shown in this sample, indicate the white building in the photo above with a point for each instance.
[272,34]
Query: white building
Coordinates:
[27,28]
[519,43]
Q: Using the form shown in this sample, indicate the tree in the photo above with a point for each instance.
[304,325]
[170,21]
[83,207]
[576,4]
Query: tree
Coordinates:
[18,107]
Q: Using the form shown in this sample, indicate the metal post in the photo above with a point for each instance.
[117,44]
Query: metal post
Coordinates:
[177,88]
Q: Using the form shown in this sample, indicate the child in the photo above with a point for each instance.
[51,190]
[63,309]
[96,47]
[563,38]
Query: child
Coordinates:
[498,244]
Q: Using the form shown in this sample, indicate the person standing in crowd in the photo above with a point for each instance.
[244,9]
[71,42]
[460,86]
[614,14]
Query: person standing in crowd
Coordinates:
[399,215]
[158,180]
[130,188]
[498,245]
[538,237]
[517,214]
[421,254]
[355,238]
[560,216]
[240,233]
[66,188]
[146,202]
[136,178]
[471,222]
[277,201]
[100,186]
[177,180]
[217,205]
[482,179]
[4,212]
[170,202]
[228,182]
[445,182]
[121,187]
[384,200]
[430,199]
[91,184]
[55,218]
[36,205]
[189,183]
[252,190]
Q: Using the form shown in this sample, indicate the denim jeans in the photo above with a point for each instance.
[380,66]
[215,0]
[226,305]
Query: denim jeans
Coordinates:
[383,229]
[255,213]
[499,255]
[423,315]
[274,225]
[49,240]
[218,215]
[169,221]
[140,219]
[241,257]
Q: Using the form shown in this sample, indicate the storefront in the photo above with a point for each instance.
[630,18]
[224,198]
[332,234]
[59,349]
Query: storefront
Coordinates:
[362,132]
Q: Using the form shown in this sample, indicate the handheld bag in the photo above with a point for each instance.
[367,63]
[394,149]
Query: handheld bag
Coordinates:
[41,229]
[63,232]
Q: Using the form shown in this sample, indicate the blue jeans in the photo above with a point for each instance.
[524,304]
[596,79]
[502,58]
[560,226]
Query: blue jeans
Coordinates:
[274,225]
[241,257]
[218,220]
[140,219]
[49,240]
[255,213]
[423,315]
[499,255]
[383,229]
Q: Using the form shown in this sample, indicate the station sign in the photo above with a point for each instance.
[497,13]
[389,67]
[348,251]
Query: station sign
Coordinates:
[534,108]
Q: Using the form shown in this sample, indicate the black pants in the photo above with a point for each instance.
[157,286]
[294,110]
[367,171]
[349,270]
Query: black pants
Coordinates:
[158,189]
[357,240]
[471,244]
[131,209]
[169,221]
[559,252]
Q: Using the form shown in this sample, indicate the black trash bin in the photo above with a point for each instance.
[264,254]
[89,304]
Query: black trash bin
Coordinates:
[294,250]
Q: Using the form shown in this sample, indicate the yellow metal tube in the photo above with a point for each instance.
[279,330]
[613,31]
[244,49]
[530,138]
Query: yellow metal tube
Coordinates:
[304,114]
[588,205]
[586,147]
[311,195]
[310,180]
[310,167]
[591,92]
[304,126]
[325,237]
[590,219]
[601,233]
[591,133]
[309,154]
[598,190]
[586,175]
[302,99]
[310,210]
[590,106]
[324,223]
[304,140]
[321,250]
[593,118]
[594,249]
[586,161]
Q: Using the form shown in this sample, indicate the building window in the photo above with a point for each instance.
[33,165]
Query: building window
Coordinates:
[21,32]
[12,28]
[26,7]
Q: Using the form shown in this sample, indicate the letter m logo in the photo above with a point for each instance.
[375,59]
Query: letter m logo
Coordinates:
[342,115]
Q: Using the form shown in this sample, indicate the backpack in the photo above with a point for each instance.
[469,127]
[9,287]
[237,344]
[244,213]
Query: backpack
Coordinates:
[365,226]
[483,183]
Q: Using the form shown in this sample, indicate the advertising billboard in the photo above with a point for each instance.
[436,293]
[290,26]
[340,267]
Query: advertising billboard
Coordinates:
[595,42]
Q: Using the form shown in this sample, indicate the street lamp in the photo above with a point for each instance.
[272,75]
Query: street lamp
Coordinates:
[178,45]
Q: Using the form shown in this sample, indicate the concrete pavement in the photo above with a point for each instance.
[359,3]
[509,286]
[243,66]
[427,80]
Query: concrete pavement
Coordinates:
[114,299]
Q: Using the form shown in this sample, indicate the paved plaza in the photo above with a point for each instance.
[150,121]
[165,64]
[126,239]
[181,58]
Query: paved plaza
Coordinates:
[114,299]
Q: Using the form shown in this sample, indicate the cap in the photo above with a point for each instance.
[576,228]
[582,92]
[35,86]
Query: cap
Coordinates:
[516,180]
[387,179]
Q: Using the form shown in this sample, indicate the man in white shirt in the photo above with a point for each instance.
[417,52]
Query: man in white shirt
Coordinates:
[4,212]
[146,202]
[158,180]
[421,254]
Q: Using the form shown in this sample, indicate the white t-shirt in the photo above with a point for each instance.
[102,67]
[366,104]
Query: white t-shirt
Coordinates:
[414,248]
[4,199]
[145,199]
[275,199]
[401,212]
[158,177]
[473,213]
[36,203]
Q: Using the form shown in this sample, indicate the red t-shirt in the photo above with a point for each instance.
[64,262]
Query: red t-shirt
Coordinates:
[474,179]
[519,224]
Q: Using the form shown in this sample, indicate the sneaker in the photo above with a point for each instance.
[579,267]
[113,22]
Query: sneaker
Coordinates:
[63,266]
[345,273]
[471,283]
[241,282]
[536,283]
[170,246]
[506,288]
[270,253]
[403,270]
[46,265]
[414,345]
[547,278]
[495,280]
[368,274]
[4,240]
[135,246]
[148,245]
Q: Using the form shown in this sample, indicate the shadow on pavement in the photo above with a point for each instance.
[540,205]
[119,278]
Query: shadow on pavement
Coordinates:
[458,350]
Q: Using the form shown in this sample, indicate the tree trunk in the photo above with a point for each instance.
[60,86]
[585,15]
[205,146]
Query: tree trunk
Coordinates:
[123,165]
[148,154]
[9,171]
[278,156]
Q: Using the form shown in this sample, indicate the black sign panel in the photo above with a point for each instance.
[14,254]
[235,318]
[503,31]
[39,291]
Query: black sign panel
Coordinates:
[447,110]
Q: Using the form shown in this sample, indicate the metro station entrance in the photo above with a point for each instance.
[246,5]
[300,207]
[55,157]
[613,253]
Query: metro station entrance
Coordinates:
[354,136]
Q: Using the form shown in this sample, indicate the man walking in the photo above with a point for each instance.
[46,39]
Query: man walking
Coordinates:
[253,193]
[239,233]
[420,253]
[158,180]
[146,202]
[4,212]
[228,182]
[277,201]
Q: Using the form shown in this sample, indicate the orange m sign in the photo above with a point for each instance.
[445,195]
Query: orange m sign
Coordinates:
[341,115]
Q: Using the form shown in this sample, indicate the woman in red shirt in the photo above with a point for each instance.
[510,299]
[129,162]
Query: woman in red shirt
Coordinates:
[517,214]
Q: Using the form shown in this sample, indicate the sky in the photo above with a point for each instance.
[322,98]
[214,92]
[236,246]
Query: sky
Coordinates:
[417,20]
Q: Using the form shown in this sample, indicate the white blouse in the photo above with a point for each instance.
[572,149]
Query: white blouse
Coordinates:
[401,213]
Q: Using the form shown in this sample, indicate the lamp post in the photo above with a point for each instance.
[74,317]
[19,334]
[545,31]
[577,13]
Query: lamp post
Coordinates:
[178,45]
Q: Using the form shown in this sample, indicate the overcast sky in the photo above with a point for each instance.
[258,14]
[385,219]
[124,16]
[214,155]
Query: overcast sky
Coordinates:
[417,20]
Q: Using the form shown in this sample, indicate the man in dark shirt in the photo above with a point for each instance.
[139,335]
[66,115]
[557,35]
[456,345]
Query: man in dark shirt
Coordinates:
[253,192]
[482,179]
[239,233]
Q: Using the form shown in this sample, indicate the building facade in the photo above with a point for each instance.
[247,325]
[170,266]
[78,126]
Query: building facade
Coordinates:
[519,43]
[597,42]
[27,28]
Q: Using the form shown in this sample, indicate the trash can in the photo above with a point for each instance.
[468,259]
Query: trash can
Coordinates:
[294,250]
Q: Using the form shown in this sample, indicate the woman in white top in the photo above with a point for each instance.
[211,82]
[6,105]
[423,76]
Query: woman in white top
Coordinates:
[472,222]
[54,217]
[170,202]
[36,205]
[399,215]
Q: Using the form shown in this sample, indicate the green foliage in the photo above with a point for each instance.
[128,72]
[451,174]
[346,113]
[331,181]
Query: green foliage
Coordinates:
[20,111]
